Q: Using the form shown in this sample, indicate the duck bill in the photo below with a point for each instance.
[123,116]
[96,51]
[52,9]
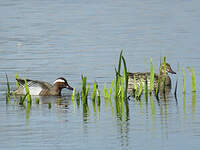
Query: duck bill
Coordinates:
[69,87]
[172,72]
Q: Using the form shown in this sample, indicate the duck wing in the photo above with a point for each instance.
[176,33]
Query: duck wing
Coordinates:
[34,83]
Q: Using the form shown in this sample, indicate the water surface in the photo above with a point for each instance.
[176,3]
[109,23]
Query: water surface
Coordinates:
[48,39]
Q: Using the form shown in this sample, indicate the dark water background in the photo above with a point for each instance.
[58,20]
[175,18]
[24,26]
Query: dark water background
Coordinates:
[47,39]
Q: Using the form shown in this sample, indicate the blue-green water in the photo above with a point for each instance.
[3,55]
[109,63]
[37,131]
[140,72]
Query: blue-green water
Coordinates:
[44,40]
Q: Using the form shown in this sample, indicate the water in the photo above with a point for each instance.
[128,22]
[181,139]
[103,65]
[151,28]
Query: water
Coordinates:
[48,39]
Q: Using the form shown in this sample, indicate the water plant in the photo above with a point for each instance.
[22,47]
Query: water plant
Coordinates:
[49,105]
[37,100]
[183,71]
[78,98]
[146,88]
[73,97]
[98,97]
[193,79]
[139,93]
[85,90]
[94,91]
[8,85]
[151,76]
[22,99]
[29,100]
[121,87]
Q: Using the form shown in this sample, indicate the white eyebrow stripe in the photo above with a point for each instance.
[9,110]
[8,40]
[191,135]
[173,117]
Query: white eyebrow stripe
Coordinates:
[58,80]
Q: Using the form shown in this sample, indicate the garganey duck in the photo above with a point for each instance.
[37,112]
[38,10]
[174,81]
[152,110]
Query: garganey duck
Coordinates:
[146,75]
[42,88]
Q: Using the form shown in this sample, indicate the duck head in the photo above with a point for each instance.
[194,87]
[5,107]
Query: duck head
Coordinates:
[61,83]
[168,69]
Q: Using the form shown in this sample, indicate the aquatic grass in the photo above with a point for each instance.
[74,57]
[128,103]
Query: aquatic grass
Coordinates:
[105,91]
[78,98]
[29,100]
[164,78]
[121,87]
[117,77]
[152,70]
[191,70]
[22,99]
[183,71]
[49,105]
[37,100]
[8,85]
[146,88]
[193,80]
[139,93]
[8,90]
[98,97]
[73,97]
[85,90]
[94,91]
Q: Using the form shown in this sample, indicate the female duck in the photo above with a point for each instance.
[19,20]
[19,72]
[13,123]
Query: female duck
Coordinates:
[138,76]
[42,88]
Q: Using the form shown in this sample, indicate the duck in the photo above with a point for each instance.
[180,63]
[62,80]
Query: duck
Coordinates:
[146,75]
[42,88]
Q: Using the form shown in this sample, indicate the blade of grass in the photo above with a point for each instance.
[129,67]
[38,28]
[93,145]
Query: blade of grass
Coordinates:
[94,91]
[183,70]
[151,76]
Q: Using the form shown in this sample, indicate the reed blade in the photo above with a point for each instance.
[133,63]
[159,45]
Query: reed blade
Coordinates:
[151,76]
[183,71]
[8,85]
[94,91]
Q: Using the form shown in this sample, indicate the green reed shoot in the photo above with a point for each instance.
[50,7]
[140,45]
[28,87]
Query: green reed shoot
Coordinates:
[22,99]
[94,91]
[73,94]
[17,83]
[73,97]
[164,78]
[146,88]
[78,98]
[151,76]
[126,79]
[193,79]
[117,76]
[98,97]
[105,91]
[183,70]
[85,90]
[8,85]
[37,100]
[49,105]
[29,100]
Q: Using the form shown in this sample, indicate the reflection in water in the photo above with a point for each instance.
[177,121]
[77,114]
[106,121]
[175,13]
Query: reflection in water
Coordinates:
[124,132]
[184,106]
[193,105]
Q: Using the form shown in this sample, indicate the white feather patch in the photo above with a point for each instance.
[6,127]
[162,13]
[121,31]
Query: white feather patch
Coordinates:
[34,90]
[58,80]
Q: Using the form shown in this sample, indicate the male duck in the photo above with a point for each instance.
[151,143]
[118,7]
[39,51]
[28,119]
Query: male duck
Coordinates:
[138,76]
[42,88]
